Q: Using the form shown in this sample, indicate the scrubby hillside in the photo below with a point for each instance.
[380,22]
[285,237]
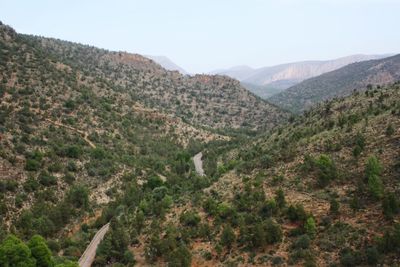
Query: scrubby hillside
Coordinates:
[340,82]
[69,140]
[81,146]
[329,179]
[212,101]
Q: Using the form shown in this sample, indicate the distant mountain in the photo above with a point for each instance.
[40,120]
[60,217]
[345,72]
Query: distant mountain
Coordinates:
[340,82]
[283,76]
[238,72]
[167,63]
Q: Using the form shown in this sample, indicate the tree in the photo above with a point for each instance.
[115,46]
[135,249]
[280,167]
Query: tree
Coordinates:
[268,209]
[13,252]
[228,236]
[181,257]
[390,205]
[280,198]
[273,232]
[334,207]
[326,170]
[310,227]
[296,213]
[68,264]
[40,251]
[190,218]
[373,170]
[78,196]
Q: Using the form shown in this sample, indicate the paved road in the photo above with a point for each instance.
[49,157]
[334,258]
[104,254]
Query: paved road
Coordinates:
[198,164]
[88,256]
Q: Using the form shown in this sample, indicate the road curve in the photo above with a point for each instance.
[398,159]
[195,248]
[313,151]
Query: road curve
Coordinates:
[198,163]
[88,256]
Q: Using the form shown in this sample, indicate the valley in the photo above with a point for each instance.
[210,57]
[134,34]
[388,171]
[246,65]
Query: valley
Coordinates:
[109,159]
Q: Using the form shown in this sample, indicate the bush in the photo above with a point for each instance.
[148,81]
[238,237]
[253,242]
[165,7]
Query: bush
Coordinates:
[228,236]
[373,170]
[74,151]
[326,170]
[280,198]
[303,242]
[46,179]
[32,165]
[190,218]
[372,255]
[268,209]
[334,207]
[390,242]
[296,213]
[390,205]
[350,258]
[273,232]
[310,227]
[78,196]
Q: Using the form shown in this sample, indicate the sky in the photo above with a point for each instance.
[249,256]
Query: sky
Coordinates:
[204,35]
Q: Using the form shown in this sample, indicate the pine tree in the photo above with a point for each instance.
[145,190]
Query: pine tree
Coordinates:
[228,236]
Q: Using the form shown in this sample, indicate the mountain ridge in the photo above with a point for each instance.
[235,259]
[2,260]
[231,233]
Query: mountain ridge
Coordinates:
[283,76]
[338,83]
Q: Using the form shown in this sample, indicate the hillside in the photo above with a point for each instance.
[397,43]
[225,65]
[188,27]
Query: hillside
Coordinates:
[91,138]
[204,100]
[328,179]
[69,140]
[340,82]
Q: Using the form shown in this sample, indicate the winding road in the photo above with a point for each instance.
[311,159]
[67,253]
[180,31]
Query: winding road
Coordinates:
[198,164]
[88,256]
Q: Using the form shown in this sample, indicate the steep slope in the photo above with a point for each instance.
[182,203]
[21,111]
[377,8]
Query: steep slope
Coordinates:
[69,139]
[167,63]
[340,82]
[329,179]
[213,101]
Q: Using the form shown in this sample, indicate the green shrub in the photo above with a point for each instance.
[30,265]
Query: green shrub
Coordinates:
[190,218]
[46,179]
[310,227]
[326,170]
[32,165]
[303,242]
[390,205]
[228,236]
[296,213]
[372,171]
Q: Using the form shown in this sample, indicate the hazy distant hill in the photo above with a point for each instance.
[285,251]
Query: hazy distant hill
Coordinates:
[340,82]
[277,78]
[238,72]
[167,63]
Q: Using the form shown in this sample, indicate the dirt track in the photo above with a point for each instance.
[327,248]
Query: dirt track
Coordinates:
[198,163]
[88,256]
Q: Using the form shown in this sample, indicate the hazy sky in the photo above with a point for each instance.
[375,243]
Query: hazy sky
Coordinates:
[202,35]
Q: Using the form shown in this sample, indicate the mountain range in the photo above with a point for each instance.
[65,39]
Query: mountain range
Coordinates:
[338,83]
[266,81]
